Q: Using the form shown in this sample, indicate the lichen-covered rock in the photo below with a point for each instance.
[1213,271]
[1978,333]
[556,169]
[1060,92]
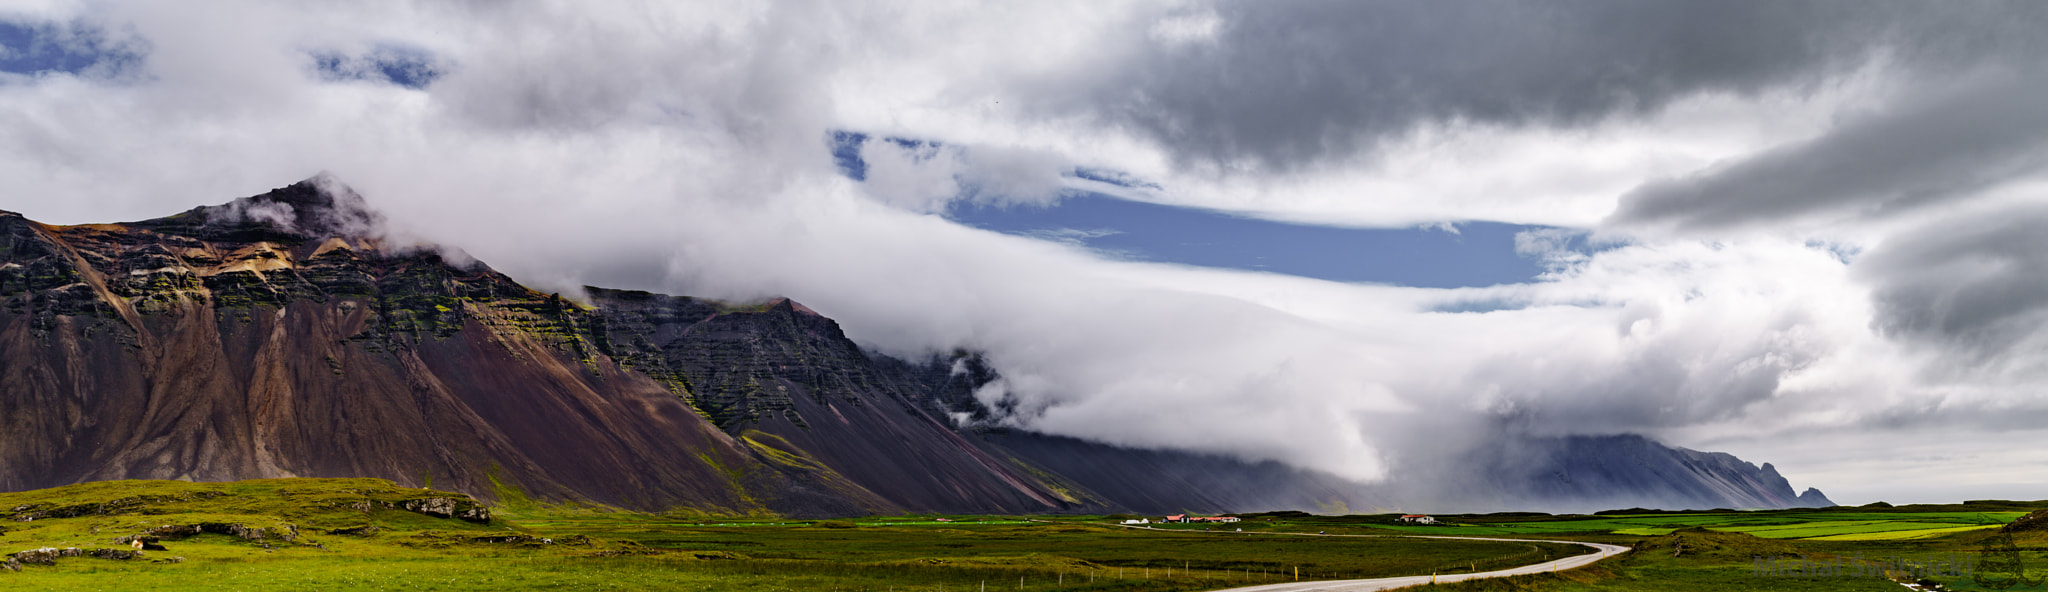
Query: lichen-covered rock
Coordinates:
[46,555]
[114,554]
[443,507]
[285,532]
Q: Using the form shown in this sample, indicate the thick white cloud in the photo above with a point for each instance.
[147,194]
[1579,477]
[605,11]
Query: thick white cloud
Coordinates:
[1784,272]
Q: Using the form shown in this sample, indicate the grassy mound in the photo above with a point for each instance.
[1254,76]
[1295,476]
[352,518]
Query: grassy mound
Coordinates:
[1710,544]
[162,517]
[2034,521]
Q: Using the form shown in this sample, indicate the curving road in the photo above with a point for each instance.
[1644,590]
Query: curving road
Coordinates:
[1369,585]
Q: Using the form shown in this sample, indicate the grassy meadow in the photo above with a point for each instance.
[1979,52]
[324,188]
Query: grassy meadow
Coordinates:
[367,534]
[357,534]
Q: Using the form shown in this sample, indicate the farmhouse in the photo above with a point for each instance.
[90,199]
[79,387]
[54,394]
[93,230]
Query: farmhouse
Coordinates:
[1417,519]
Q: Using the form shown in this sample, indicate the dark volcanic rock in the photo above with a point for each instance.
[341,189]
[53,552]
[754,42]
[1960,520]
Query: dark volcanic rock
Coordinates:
[789,384]
[283,337]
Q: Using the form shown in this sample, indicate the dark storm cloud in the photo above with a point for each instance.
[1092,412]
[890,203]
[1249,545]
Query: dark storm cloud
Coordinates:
[1960,136]
[1293,83]
[1976,286]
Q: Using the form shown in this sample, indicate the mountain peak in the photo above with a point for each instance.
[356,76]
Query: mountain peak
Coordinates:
[1813,498]
[786,304]
[318,207]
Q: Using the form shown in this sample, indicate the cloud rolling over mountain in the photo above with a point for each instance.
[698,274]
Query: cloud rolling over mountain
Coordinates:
[1811,219]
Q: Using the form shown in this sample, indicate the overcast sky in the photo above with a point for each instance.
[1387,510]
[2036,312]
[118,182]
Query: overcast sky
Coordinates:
[1807,233]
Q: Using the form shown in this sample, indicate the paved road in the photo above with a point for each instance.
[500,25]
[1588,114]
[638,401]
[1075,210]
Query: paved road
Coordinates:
[1369,585]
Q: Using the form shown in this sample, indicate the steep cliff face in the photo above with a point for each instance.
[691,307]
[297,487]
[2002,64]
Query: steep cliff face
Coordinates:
[788,383]
[265,339]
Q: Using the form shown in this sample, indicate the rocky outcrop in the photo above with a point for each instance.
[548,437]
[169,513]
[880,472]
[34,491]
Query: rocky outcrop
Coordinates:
[49,556]
[789,384]
[445,507]
[284,532]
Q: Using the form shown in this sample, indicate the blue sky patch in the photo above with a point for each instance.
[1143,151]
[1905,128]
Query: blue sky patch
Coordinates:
[1470,254]
[403,66]
[845,148]
[1477,254]
[43,48]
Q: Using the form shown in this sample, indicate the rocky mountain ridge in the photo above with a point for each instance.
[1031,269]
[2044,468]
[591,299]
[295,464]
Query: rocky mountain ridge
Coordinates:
[283,335]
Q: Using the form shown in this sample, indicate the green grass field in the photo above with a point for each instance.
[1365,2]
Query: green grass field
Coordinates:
[366,534]
[318,534]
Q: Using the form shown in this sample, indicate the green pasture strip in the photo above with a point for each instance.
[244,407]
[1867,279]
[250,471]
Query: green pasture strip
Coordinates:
[1821,530]
[1958,517]
[1801,526]
[1896,535]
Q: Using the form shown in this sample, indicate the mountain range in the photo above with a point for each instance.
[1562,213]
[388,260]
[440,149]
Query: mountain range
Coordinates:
[285,335]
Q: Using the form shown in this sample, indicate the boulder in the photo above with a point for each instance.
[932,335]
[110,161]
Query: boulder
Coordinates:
[443,507]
